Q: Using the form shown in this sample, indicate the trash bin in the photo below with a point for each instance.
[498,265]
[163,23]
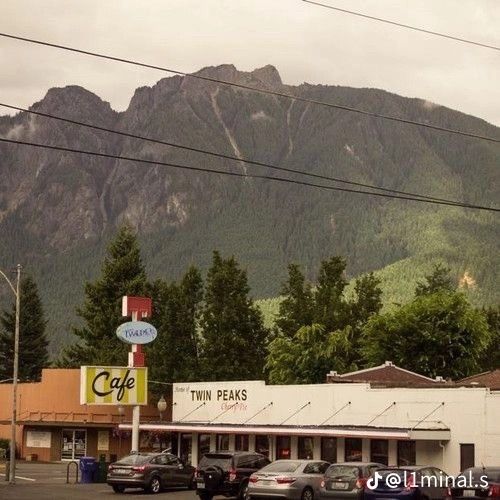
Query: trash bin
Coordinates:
[102,469]
[88,468]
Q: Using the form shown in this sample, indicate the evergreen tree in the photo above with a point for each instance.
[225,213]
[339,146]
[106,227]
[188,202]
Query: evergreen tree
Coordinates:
[330,308]
[233,335]
[173,356]
[439,280]
[122,274]
[296,308]
[491,357]
[33,353]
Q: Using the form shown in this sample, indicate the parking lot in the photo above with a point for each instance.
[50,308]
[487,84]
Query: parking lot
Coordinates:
[48,481]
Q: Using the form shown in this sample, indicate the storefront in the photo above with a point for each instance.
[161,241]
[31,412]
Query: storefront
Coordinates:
[53,425]
[337,422]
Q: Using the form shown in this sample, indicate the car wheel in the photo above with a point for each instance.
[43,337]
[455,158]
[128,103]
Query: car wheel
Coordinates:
[154,485]
[205,496]
[118,489]
[243,493]
[307,494]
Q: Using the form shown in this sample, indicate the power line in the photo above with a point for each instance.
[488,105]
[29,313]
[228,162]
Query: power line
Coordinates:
[224,156]
[254,89]
[237,174]
[401,25]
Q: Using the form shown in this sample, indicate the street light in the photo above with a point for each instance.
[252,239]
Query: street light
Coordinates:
[17,294]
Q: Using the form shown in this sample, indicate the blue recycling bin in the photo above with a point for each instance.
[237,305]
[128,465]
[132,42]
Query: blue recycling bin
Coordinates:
[88,468]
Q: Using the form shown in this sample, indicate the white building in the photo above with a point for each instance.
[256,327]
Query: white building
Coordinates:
[446,425]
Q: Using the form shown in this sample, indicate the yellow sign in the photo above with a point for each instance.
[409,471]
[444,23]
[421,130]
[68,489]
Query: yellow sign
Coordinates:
[111,385]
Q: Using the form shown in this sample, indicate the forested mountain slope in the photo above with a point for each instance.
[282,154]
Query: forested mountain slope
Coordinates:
[57,211]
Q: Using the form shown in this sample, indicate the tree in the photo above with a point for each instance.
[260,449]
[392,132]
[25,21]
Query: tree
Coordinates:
[296,309]
[439,280]
[33,343]
[368,299]
[173,356]
[330,307]
[233,335]
[435,334]
[122,273]
[491,357]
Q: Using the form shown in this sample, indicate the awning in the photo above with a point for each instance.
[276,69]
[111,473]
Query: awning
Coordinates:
[440,434]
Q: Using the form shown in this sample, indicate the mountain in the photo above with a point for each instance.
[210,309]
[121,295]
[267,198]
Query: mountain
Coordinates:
[58,210]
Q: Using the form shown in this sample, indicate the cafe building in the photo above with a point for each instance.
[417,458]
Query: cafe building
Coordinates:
[53,425]
[385,414]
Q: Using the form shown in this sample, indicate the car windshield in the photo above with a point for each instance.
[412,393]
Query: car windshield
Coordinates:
[343,471]
[217,460]
[281,466]
[135,459]
[391,474]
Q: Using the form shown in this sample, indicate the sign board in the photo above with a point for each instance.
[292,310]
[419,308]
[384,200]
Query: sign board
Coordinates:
[111,385]
[38,439]
[136,332]
[103,440]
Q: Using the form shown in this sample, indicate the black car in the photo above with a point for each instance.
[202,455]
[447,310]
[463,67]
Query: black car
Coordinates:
[227,473]
[347,480]
[150,471]
[476,483]
[407,483]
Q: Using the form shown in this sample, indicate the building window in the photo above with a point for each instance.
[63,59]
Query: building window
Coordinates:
[305,447]
[241,442]
[379,451]
[467,458]
[283,447]
[185,447]
[262,445]
[223,442]
[203,445]
[329,450]
[353,449]
[407,454]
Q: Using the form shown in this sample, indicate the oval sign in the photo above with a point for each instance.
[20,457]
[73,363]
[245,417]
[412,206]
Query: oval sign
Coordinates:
[136,332]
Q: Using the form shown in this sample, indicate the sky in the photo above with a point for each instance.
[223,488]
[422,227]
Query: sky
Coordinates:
[305,42]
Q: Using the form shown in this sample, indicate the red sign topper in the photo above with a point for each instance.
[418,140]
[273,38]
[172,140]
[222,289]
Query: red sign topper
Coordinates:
[138,308]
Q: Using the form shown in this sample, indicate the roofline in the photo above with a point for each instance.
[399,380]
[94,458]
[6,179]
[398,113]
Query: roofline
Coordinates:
[365,370]
[471,377]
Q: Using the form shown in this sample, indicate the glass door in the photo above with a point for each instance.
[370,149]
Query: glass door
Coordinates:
[74,444]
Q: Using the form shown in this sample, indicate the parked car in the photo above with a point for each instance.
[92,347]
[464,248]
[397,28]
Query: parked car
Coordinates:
[407,483]
[227,473]
[347,480]
[290,479]
[477,476]
[150,471]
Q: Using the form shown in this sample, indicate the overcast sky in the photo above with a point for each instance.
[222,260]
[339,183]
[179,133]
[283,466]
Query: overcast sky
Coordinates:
[305,42]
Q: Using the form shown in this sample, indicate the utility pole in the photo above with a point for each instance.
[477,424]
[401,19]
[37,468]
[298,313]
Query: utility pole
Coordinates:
[12,457]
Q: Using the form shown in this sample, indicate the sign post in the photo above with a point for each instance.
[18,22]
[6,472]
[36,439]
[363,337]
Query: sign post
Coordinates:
[138,308]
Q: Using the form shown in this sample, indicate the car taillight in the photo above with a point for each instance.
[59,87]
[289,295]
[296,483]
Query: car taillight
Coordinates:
[410,482]
[322,484]
[232,475]
[197,472]
[494,490]
[361,482]
[448,492]
[110,467]
[285,479]
[141,468]
[253,479]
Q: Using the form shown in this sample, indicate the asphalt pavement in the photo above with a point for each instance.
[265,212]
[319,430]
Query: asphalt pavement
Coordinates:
[41,481]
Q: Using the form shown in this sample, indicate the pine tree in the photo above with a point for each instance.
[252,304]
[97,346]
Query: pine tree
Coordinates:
[330,308]
[296,308]
[33,353]
[173,356]
[439,280]
[233,335]
[122,274]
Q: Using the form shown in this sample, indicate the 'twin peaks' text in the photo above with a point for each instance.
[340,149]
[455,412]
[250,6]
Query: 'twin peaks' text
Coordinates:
[220,395]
